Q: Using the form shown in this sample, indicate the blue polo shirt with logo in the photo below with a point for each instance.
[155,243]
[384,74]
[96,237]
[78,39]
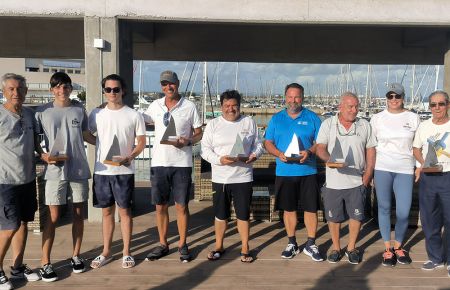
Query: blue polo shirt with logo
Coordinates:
[280,131]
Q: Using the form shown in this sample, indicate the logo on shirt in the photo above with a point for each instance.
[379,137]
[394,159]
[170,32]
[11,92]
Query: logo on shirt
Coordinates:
[304,123]
[75,123]
[330,214]
[407,126]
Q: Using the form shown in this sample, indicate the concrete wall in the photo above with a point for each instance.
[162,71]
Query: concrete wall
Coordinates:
[406,12]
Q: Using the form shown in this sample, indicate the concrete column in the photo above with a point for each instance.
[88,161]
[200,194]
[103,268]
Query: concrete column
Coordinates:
[447,67]
[99,63]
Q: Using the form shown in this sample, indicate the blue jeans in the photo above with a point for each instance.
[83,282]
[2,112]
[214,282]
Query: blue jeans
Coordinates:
[402,185]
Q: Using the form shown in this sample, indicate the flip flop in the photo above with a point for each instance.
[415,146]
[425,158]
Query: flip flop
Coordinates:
[100,261]
[247,258]
[215,255]
[128,262]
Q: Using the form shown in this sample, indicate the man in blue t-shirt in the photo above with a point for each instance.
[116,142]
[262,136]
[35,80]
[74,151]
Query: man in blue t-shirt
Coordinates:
[289,136]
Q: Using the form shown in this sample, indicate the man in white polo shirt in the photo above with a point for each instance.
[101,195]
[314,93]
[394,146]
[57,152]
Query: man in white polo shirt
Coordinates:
[172,164]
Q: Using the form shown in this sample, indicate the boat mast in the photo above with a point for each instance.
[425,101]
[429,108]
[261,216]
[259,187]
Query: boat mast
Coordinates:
[205,90]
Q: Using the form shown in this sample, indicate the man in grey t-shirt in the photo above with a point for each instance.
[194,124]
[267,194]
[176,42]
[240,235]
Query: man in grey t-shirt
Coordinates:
[65,128]
[17,176]
[346,186]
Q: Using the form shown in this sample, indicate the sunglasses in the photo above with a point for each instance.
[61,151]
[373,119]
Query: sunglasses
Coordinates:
[115,90]
[390,97]
[166,118]
[440,104]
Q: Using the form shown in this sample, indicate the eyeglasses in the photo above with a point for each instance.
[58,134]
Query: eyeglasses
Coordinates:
[166,118]
[350,133]
[390,97]
[440,104]
[115,90]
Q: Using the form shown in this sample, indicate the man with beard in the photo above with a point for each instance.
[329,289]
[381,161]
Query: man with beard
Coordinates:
[295,177]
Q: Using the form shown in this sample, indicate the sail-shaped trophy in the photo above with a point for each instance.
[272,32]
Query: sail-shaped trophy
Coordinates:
[238,152]
[113,157]
[431,164]
[58,153]
[336,156]
[292,153]
[170,135]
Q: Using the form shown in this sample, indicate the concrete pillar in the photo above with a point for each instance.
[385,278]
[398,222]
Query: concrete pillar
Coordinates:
[100,63]
[447,66]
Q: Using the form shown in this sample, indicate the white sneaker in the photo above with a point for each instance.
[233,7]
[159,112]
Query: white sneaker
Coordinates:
[5,284]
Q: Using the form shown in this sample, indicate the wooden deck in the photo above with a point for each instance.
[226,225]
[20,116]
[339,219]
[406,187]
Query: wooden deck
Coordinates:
[269,271]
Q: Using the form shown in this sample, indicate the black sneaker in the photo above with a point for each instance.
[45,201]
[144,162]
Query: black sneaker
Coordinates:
[290,251]
[24,272]
[388,258]
[353,256]
[77,264]
[185,256]
[157,253]
[47,273]
[334,257]
[402,256]
[5,284]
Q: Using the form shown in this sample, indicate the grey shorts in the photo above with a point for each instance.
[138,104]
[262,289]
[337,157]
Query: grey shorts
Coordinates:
[57,192]
[341,204]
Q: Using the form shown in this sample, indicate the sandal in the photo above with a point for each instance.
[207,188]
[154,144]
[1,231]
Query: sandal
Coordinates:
[215,255]
[247,258]
[100,261]
[128,262]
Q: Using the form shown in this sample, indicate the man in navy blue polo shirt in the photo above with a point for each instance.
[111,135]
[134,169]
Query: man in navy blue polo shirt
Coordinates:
[289,136]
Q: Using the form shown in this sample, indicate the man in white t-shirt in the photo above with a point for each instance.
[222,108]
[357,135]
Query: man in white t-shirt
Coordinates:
[117,126]
[224,139]
[172,163]
[345,188]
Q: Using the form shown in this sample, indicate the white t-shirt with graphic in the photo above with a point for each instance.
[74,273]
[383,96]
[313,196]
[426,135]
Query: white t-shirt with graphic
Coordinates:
[395,135]
[438,136]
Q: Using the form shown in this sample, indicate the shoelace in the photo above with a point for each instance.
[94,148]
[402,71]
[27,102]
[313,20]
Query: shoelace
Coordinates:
[388,255]
[314,249]
[3,278]
[400,252]
[77,260]
[48,269]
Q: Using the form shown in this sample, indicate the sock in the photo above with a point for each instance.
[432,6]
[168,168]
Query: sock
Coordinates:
[292,240]
[310,241]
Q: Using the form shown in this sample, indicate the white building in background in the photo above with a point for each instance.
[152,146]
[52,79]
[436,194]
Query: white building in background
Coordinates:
[38,73]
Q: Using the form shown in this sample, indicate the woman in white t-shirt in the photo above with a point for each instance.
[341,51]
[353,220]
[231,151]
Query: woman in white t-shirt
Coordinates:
[394,129]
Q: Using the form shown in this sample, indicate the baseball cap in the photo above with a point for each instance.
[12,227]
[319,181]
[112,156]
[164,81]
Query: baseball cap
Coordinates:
[169,76]
[396,88]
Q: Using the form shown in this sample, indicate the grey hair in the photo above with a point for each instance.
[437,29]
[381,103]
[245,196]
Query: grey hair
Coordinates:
[439,92]
[348,94]
[12,76]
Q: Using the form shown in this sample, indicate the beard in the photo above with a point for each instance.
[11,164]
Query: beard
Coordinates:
[293,107]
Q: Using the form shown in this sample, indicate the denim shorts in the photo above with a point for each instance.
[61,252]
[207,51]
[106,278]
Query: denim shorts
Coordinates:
[171,180]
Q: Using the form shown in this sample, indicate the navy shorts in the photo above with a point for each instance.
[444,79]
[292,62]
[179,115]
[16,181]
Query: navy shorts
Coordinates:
[18,203]
[240,193]
[175,180]
[110,189]
[289,190]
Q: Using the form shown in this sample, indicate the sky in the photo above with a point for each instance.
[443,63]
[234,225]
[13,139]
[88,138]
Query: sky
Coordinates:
[262,79]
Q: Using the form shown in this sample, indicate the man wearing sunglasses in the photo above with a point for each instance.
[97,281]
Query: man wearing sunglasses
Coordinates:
[434,187]
[345,188]
[17,177]
[118,124]
[172,164]
[64,124]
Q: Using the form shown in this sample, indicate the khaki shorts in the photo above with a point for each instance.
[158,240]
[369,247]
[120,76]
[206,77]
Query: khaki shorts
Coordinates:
[57,192]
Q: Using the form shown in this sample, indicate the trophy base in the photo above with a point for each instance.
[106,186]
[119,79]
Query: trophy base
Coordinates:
[170,141]
[293,159]
[239,158]
[58,158]
[114,163]
[335,164]
[432,169]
